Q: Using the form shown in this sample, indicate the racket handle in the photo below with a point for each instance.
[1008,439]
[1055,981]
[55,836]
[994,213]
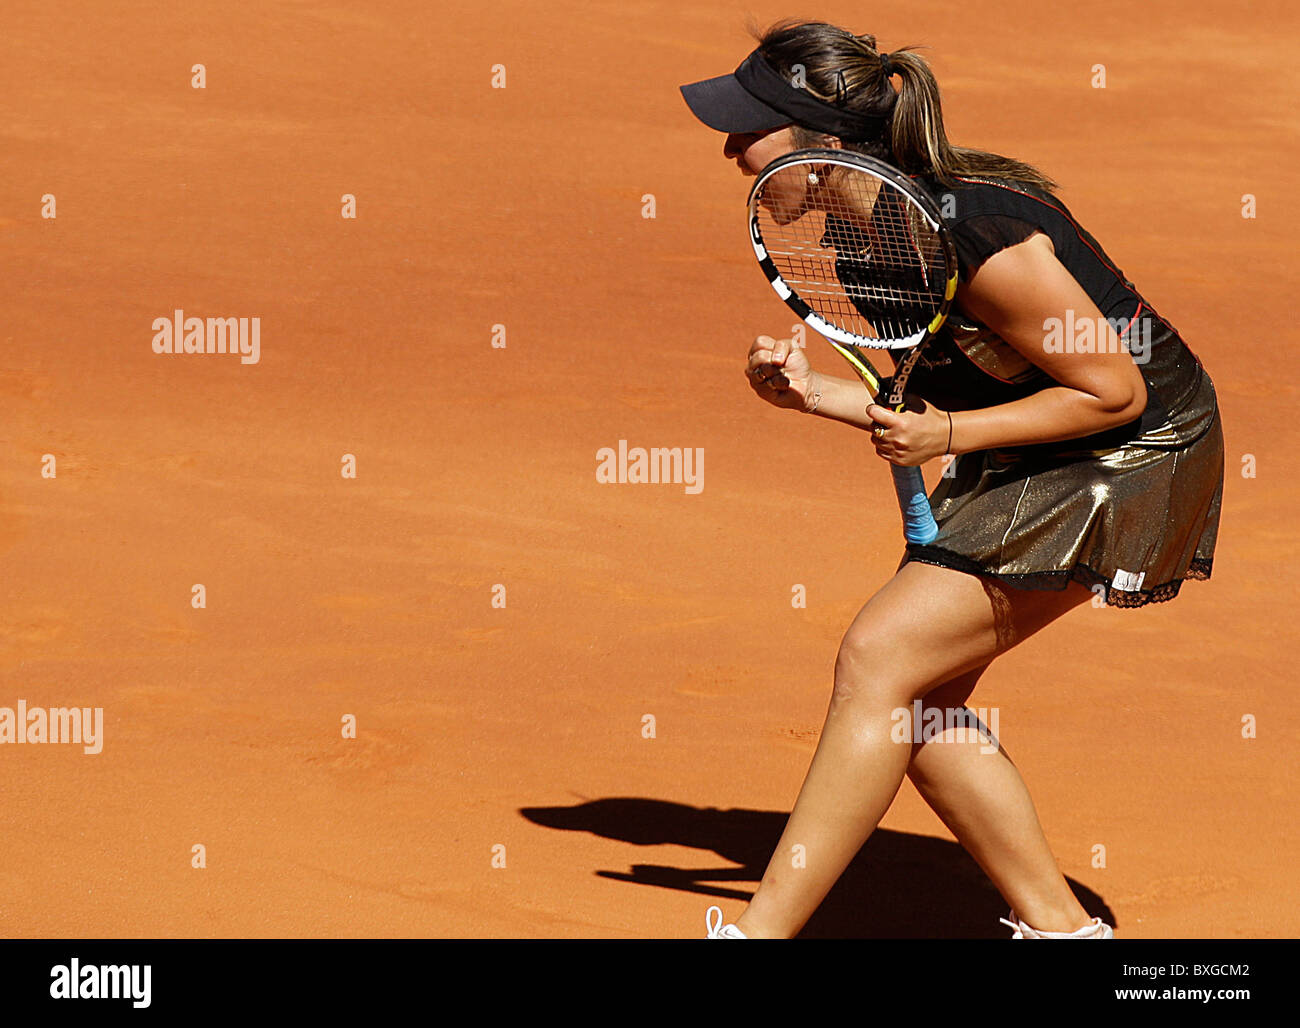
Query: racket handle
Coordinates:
[918,520]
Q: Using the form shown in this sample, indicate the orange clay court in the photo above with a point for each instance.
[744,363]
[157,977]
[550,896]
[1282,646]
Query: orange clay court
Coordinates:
[500,783]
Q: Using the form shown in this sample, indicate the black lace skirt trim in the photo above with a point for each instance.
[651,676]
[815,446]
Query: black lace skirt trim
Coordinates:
[1056,581]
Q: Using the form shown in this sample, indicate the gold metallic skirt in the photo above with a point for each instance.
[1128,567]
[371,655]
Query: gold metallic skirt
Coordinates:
[1134,521]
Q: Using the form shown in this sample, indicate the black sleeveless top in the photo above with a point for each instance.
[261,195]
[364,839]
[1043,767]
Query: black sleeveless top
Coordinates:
[967,366]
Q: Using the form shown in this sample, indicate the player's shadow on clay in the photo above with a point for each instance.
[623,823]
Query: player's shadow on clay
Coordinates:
[899,886]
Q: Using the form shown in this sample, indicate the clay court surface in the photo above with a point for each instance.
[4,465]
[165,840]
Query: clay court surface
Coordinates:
[514,736]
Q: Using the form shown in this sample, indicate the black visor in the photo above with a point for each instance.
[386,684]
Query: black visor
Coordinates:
[756,98]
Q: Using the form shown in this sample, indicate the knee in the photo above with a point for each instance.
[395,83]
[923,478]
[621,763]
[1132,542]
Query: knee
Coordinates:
[860,672]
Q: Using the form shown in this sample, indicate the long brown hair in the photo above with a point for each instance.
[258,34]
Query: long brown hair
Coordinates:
[838,67]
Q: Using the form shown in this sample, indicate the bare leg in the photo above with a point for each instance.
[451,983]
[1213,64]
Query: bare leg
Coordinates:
[982,799]
[927,625]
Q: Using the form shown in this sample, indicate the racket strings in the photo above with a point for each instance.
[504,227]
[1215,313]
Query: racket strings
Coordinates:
[859,252]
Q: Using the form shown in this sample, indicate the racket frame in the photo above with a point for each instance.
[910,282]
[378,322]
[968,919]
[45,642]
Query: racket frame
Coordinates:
[890,175]
[918,520]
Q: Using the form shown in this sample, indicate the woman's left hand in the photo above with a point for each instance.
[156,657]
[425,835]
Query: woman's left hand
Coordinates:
[909,438]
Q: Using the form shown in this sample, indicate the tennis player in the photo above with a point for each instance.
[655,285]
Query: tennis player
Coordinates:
[1088,461]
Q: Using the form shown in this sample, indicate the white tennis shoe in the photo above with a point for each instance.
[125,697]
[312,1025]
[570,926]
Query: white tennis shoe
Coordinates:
[1097,929]
[717,930]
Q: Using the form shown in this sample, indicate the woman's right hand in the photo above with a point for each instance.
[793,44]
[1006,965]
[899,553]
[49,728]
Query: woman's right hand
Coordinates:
[779,372]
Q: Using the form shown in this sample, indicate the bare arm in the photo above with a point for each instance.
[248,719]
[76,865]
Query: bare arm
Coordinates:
[843,399]
[1014,293]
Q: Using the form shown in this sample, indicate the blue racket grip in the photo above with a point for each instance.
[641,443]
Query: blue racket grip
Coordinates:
[918,520]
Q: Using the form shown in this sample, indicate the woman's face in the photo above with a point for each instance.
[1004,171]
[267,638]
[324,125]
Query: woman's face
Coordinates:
[786,194]
[754,151]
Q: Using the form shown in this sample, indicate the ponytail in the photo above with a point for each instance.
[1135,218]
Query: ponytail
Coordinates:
[918,139]
[849,71]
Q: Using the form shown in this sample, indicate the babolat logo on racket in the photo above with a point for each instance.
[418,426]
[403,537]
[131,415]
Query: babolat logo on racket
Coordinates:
[900,379]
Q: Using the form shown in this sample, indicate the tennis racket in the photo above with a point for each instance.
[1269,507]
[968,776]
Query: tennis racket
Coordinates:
[862,255]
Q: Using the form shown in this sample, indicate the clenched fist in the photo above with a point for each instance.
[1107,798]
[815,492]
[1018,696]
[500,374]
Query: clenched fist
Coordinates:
[779,372]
